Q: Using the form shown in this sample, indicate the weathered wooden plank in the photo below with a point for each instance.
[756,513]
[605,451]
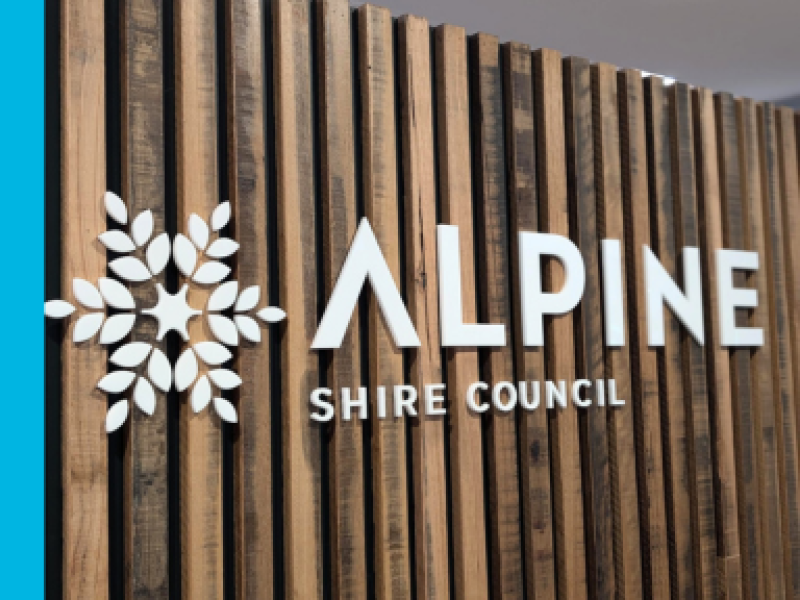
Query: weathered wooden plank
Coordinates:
[200,434]
[671,390]
[644,360]
[84,463]
[728,564]
[297,220]
[621,437]
[536,498]
[146,524]
[560,356]
[765,387]
[428,434]
[252,466]
[505,541]
[338,181]
[735,222]
[455,181]
[695,384]
[590,360]
[390,487]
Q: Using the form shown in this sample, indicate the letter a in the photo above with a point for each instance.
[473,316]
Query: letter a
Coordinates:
[364,261]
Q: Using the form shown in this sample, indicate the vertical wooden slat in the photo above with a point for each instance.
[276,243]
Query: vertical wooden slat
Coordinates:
[430,477]
[495,307]
[146,522]
[621,439]
[560,361]
[376,71]
[710,226]
[695,385]
[644,374]
[298,290]
[534,444]
[201,436]
[782,366]
[84,461]
[766,391]
[590,362]
[339,226]
[735,220]
[466,466]
[247,176]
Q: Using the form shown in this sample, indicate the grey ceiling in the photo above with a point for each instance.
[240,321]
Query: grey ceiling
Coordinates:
[747,47]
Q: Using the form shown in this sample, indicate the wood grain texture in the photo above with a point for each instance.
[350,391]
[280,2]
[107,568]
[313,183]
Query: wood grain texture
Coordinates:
[765,387]
[84,462]
[710,226]
[621,437]
[146,523]
[252,463]
[782,366]
[644,360]
[735,222]
[379,142]
[200,434]
[338,183]
[534,438]
[560,357]
[297,226]
[492,244]
[470,556]
[419,186]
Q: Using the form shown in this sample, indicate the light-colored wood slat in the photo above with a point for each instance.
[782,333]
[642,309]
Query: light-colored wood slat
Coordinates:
[644,360]
[744,405]
[766,391]
[470,556]
[560,356]
[671,391]
[390,486]
[146,521]
[339,225]
[419,186]
[710,226]
[536,499]
[252,462]
[621,438]
[590,360]
[505,541]
[200,434]
[695,384]
[84,461]
[302,496]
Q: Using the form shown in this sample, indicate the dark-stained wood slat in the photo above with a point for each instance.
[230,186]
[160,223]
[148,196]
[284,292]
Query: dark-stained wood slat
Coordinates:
[252,467]
[710,226]
[146,523]
[782,366]
[560,357]
[644,360]
[390,486]
[200,434]
[735,221]
[338,183]
[466,467]
[84,461]
[590,361]
[495,307]
[766,391]
[428,432]
[537,505]
[301,443]
[621,437]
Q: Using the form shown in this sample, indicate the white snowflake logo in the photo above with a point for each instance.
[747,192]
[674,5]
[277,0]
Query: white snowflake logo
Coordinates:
[172,311]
